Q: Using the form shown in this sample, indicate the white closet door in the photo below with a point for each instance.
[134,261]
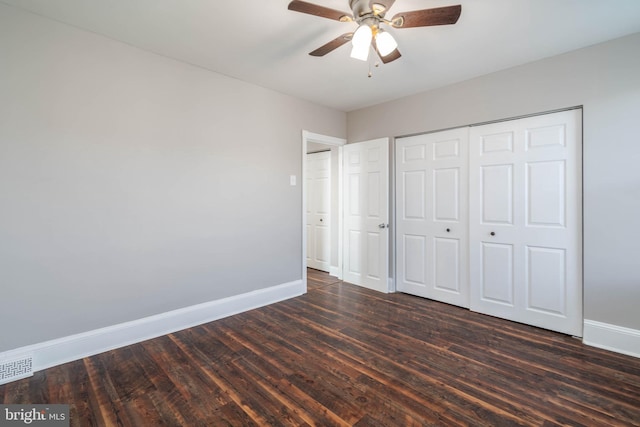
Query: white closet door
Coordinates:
[526,220]
[431,212]
[319,210]
[366,211]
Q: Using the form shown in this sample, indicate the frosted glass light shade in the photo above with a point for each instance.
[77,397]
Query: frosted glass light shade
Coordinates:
[360,52]
[385,43]
[361,42]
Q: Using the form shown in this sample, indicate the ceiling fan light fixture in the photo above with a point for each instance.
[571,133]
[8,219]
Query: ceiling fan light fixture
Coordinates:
[360,52]
[361,42]
[370,15]
[385,43]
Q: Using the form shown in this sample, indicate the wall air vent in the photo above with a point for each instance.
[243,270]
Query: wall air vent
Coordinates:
[16,368]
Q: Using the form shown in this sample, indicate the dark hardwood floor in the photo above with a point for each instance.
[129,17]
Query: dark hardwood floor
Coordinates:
[344,355]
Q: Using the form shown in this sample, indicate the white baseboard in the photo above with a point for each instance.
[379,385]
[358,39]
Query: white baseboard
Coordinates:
[75,347]
[612,337]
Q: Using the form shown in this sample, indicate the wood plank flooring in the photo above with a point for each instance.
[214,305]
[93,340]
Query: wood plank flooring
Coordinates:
[346,356]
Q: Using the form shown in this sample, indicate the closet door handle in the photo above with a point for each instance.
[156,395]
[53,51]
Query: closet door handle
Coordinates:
[493,233]
[448,230]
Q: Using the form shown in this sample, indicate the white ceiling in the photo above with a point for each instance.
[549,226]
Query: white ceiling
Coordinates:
[261,42]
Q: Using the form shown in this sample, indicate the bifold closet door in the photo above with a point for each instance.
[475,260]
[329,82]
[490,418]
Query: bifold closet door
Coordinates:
[526,220]
[431,216]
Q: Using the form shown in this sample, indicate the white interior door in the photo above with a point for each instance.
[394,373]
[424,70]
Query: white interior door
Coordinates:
[526,220]
[432,216]
[319,210]
[366,212]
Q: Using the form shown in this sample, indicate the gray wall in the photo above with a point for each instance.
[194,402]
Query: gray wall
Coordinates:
[605,79]
[132,184]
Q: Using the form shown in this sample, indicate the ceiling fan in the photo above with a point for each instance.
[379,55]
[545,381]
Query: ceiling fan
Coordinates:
[370,15]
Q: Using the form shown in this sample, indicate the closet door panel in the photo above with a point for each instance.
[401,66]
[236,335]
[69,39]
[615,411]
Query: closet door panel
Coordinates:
[526,220]
[431,212]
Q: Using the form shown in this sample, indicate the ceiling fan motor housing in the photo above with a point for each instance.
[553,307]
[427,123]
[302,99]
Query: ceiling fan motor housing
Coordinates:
[365,13]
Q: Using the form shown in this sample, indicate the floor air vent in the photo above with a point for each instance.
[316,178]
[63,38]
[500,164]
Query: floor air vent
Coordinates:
[15,369]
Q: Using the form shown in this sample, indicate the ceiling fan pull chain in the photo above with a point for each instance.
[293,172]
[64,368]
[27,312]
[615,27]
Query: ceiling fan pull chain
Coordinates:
[373,61]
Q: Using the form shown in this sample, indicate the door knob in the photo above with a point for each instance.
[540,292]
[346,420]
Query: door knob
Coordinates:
[320,219]
[493,233]
[383,225]
[448,230]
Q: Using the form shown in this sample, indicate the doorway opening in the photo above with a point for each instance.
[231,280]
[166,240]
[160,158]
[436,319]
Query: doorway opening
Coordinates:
[321,203]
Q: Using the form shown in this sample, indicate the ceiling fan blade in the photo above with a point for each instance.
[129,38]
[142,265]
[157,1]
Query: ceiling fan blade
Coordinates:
[323,12]
[391,57]
[427,17]
[332,45]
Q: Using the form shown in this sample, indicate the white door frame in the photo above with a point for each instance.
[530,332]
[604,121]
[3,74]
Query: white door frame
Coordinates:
[336,222]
